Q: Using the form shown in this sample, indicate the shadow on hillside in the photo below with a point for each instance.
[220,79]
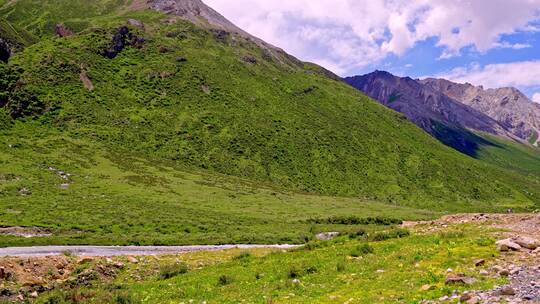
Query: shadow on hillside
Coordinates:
[460,139]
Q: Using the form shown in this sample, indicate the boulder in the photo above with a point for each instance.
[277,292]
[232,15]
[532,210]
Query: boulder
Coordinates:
[325,236]
[62,31]
[479,262]
[5,51]
[527,242]
[507,291]
[136,23]
[460,279]
[507,245]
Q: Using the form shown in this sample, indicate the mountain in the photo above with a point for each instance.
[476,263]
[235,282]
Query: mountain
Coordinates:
[437,113]
[508,106]
[174,82]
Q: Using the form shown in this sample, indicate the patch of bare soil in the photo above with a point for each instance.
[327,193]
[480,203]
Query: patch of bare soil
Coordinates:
[26,232]
[26,278]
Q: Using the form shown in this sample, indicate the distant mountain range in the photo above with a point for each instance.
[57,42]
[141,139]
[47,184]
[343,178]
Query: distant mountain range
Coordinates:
[455,113]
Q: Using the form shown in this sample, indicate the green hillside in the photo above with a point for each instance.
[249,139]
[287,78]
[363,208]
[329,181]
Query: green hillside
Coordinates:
[181,98]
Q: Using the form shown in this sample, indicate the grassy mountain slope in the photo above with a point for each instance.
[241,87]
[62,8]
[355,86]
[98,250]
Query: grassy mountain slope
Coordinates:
[113,198]
[206,100]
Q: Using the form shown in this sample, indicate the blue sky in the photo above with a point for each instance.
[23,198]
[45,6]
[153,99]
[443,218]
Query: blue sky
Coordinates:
[493,43]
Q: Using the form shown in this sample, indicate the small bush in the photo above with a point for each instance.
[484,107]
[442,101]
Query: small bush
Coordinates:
[168,271]
[357,234]
[361,250]
[354,220]
[243,256]
[387,235]
[340,266]
[294,272]
[123,298]
[225,280]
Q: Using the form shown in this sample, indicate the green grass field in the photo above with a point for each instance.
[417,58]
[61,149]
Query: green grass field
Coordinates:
[121,199]
[338,271]
[209,148]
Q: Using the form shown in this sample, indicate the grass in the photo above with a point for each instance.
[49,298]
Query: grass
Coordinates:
[274,121]
[122,199]
[210,149]
[387,271]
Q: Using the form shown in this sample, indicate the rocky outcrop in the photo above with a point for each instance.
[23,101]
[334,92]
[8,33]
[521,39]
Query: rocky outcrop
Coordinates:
[508,106]
[5,50]
[440,115]
[122,39]
[62,31]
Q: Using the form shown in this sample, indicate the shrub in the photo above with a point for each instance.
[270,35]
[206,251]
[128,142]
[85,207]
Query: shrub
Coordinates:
[354,220]
[340,266]
[168,271]
[243,256]
[357,234]
[294,272]
[387,235]
[224,280]
[361,250]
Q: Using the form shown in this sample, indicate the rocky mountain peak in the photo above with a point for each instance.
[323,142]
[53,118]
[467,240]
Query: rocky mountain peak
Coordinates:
[195,11]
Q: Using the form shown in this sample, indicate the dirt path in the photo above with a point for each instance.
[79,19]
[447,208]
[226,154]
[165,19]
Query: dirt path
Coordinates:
[104,251]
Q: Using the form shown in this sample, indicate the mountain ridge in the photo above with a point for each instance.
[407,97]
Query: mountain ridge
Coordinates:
[509,106]
[456,105]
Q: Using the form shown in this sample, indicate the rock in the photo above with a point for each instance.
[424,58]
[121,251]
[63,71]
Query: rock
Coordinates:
[504,273]
[479,262]
[507,291]
[484,273]
[473,300]
[33,281]
[465,280]
[325,236]
[527,242]
[249,59]
[181,59]
[426,287]
[119,265]
[5,292]
[62,31]
[5,51]
[64,186]
[132,260]
[122,39]
[20,297]
[83,260]
[507,245]
[136,23]
[3,273]
[465,297]
[25,191]
[34,294]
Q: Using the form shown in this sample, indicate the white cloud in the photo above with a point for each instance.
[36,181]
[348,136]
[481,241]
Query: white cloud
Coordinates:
[351,34]
[536,97]
[520,74]
[515,46]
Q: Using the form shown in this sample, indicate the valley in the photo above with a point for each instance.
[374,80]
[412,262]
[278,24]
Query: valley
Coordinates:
[155,152]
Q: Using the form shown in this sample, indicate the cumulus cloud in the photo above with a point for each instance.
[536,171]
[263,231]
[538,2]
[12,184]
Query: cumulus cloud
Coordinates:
[351,34]
[520,74]
[536,97]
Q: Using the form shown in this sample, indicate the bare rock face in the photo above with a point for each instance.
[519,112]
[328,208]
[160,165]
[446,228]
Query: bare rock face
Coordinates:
[508,106]
[5,50]
[195,11]
[201,14]
[62,31]
[440,115]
